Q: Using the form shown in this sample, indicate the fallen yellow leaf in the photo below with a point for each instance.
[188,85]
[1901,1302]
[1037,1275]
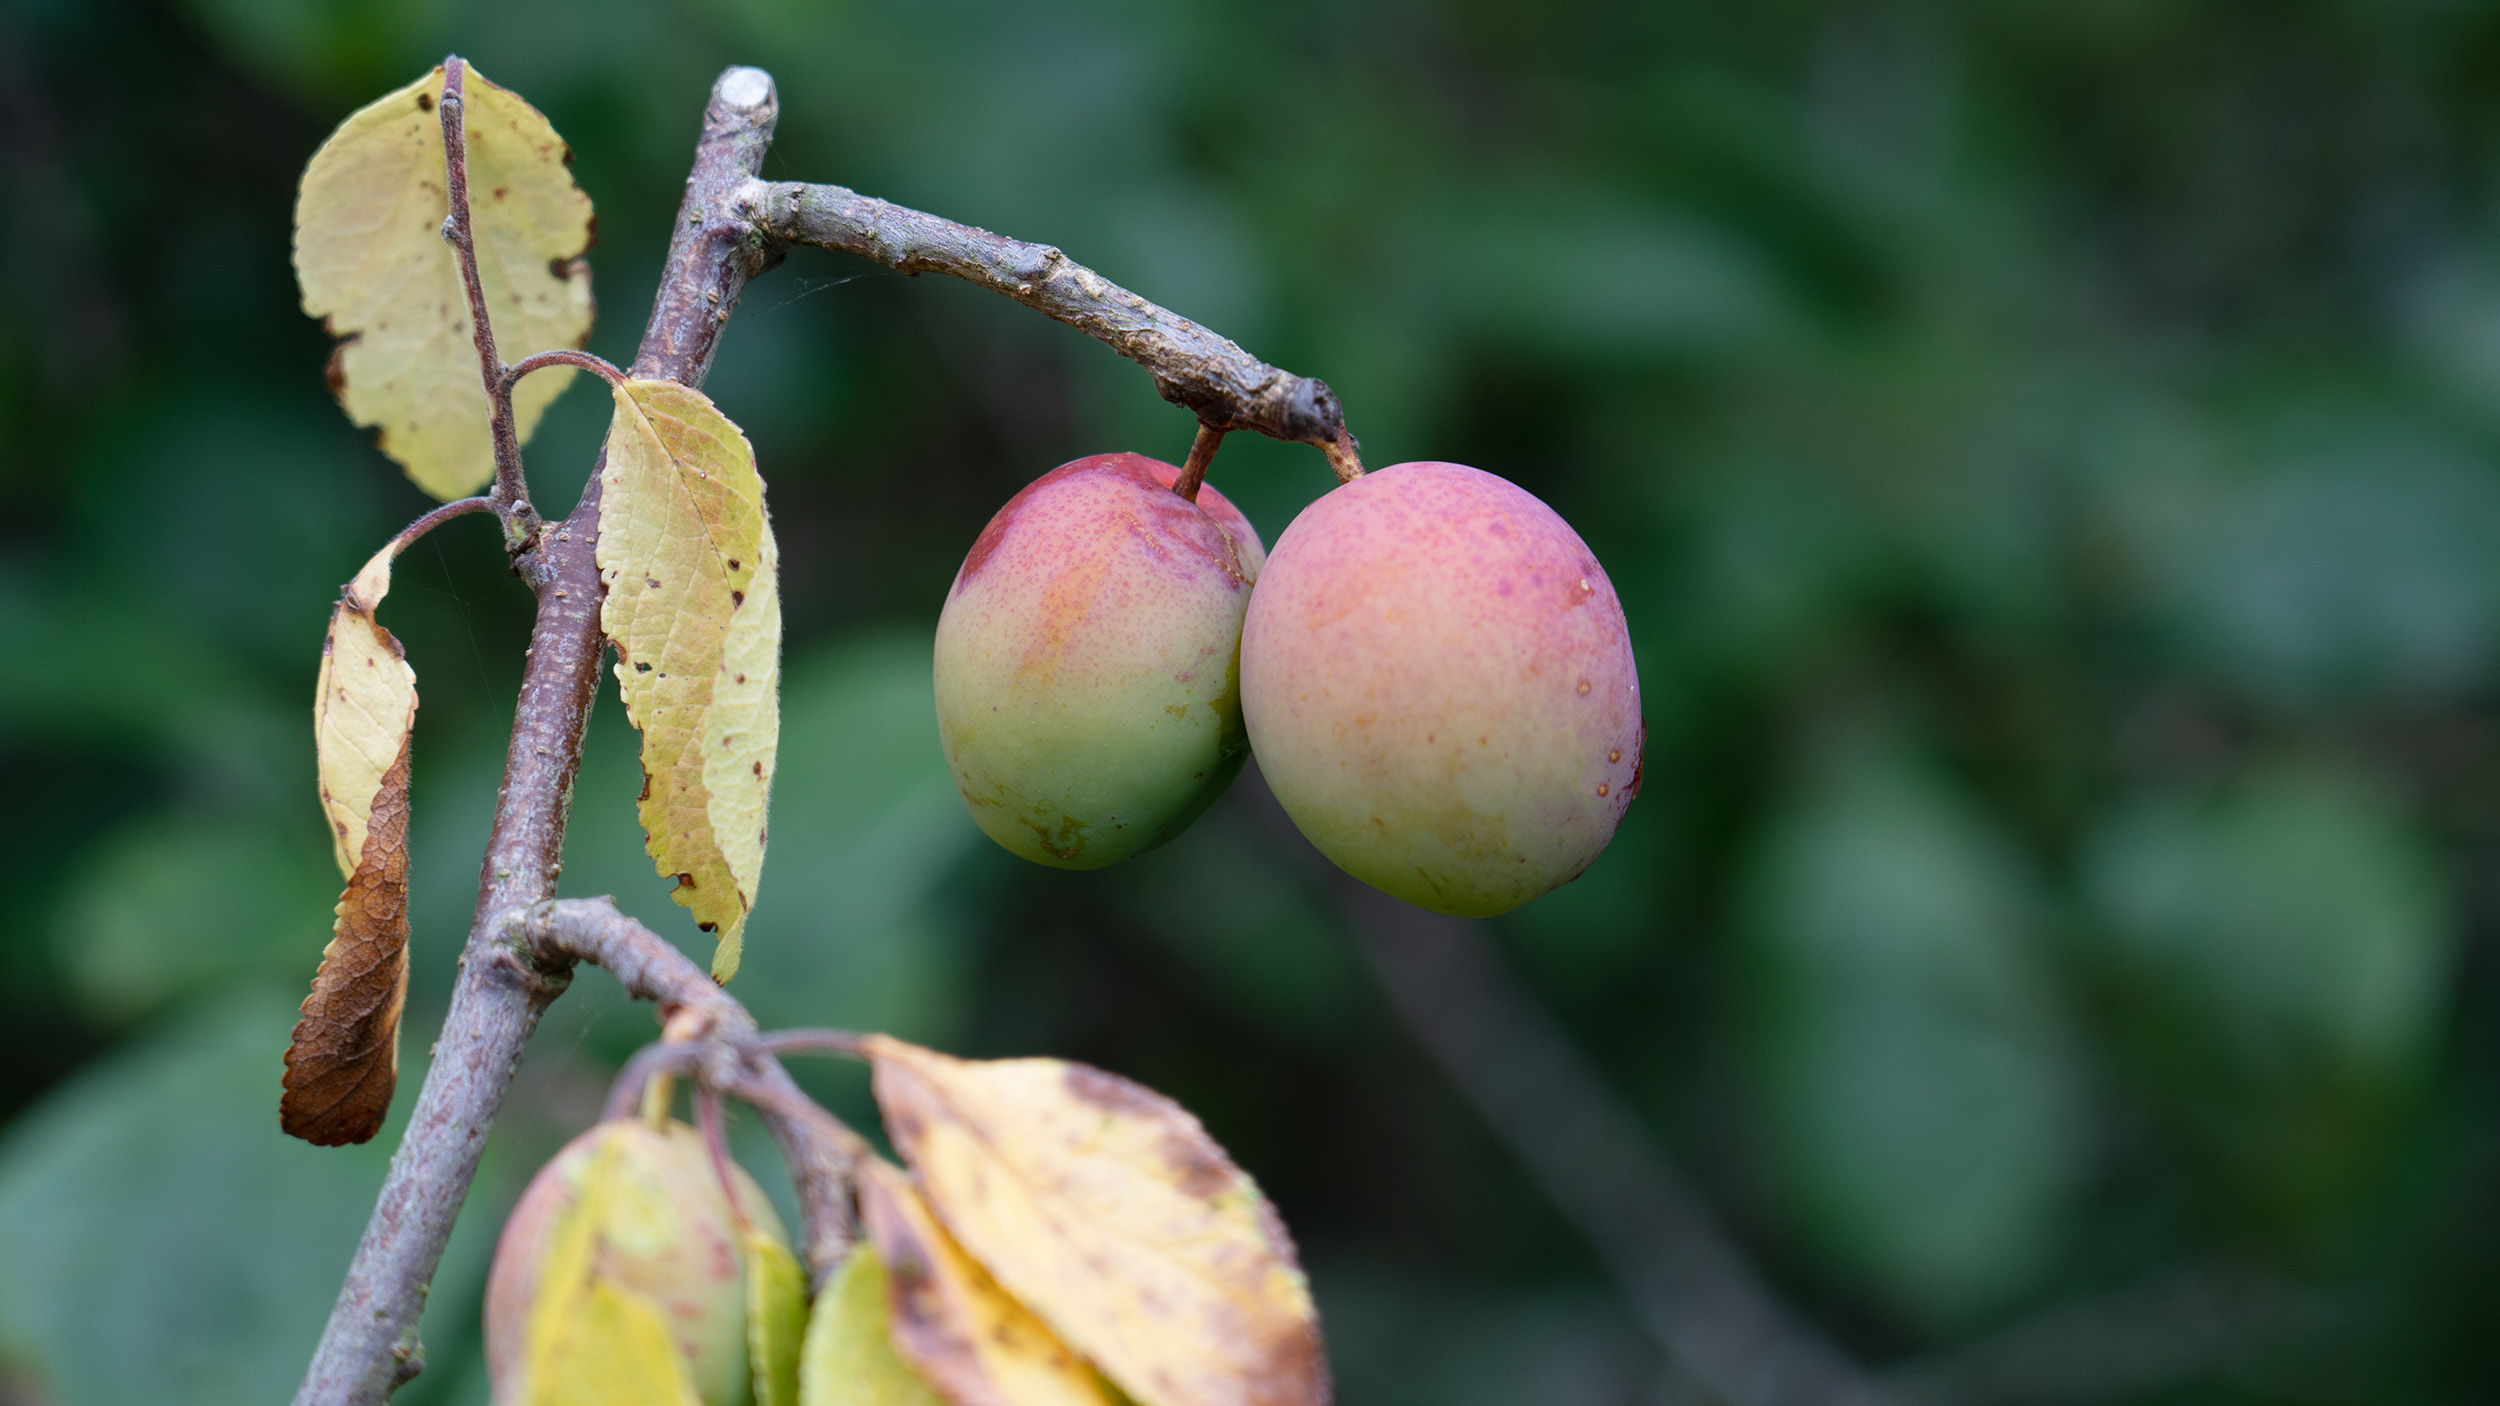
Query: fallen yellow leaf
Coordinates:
[370,257]
[952,1323]
[694,608]
[850,1358]
[343,1062]
[1106,1208]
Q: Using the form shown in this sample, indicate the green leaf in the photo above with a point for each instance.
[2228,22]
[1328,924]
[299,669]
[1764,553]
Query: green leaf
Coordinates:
[152,914]
[370,256]
[776,1319]
[850,1359]
[161,1240]
[694,608]
[2284,950]
[2298,914]
[1917,1079]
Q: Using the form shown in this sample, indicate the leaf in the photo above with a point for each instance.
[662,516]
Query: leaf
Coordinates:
[694,608]
[2297,920]
[371,259]
[591,1341]
[776,1319]
[1918,1081]
[364,704]
[1108,1209]
[162,1241]
[850,1358]
[343,1062]
[952,1322]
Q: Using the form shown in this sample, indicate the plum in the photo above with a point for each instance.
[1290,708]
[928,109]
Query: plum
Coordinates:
[1088,661]
[1439,687]
[668,1237]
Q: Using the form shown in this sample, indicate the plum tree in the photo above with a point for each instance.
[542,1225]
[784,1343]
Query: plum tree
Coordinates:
[1088,661]
[1439,687]
[1090,658]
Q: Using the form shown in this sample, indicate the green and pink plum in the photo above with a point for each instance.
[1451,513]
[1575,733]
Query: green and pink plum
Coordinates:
[1088,661]
[667,1236]
[1439,687]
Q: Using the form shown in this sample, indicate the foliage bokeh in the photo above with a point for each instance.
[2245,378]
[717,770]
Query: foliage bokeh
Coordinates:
[2046,453]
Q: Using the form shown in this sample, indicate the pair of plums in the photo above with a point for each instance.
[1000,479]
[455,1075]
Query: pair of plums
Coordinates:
[1431,668]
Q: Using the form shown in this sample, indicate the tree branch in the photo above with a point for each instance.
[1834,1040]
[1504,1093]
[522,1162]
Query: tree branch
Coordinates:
[370,1345]
[1228,388]
[1689,1283]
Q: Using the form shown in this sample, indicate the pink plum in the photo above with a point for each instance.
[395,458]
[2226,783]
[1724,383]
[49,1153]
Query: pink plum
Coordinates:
[1088,661]
[1439,687]
[668,1237]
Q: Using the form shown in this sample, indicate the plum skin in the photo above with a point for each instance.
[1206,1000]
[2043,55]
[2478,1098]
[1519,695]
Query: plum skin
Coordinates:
[1439,687]
[1088,662]
[690,1265]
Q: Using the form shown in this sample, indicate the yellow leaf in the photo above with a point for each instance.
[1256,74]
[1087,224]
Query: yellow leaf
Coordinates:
[776,1319]
[364,704]
[694,608]
[343,1062]
[850,1359]
[591,1341]
[643,1210]
[952,1323]
[370,256]
[1107,1209]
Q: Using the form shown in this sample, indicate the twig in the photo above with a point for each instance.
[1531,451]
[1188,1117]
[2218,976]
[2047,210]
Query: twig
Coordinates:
[625,1092]
[458,507]
[810,1041]
[823,1155]
[559,356]
[715,1130]
[1228,388]
[511,493]
[723,1053]
[1690,1284]
[370,1345]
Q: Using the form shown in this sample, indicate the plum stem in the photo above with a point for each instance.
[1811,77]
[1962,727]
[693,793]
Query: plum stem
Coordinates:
[1201,455]
[1344,456]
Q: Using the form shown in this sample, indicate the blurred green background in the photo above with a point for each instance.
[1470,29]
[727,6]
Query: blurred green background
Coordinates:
[2047,452]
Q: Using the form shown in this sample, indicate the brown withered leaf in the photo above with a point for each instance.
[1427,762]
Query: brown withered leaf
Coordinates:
[951,1322]
[1105,1208]
[344,1060]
